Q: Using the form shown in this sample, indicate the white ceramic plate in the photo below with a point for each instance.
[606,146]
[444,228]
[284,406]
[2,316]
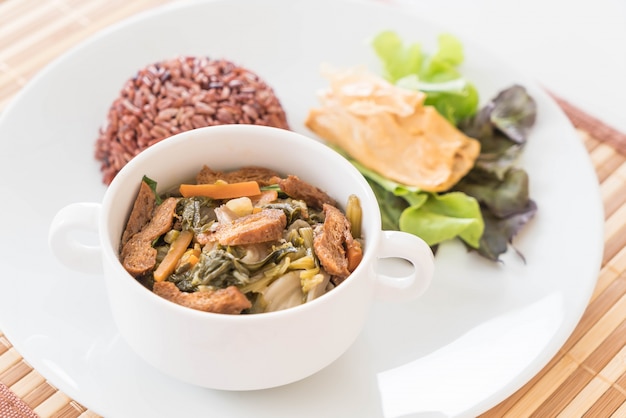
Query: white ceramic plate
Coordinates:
[480,332]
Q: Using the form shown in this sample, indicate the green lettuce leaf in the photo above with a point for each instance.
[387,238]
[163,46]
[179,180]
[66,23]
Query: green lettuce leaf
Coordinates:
[437,75]
[433,217]
[391,206]
[442,217]
[398,60]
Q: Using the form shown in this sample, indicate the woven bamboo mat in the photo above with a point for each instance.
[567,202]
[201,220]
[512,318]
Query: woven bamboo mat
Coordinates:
[587,377]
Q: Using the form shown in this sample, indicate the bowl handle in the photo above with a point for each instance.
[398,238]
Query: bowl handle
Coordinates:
[404,286]
[63,237]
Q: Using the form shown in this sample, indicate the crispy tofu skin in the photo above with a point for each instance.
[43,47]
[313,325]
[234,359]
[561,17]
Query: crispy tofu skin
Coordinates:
[227,301]
[390,130]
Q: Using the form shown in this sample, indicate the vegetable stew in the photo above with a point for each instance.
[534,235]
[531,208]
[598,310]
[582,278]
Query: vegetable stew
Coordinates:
[241,242]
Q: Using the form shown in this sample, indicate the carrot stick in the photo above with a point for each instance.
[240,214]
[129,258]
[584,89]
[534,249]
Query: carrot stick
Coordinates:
[221,190]
[176,251]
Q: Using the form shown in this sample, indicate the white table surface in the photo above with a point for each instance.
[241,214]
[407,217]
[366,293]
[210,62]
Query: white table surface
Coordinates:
[575,48]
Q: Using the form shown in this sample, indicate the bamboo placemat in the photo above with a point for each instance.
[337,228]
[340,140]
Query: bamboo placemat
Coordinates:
[587,377]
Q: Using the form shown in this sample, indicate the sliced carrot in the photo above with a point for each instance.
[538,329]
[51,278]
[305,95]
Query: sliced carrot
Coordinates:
[176,251]
[190,257]
[193,260]
[221,190]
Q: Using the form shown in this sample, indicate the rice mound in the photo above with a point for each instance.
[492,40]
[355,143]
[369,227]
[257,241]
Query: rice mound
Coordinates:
[177,95]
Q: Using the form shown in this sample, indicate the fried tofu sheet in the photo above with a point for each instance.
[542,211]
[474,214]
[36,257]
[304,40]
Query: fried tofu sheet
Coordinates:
[389,130]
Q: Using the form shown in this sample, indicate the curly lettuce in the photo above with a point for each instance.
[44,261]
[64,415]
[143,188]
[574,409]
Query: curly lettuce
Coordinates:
[491,204]
[502,127]
[437,75]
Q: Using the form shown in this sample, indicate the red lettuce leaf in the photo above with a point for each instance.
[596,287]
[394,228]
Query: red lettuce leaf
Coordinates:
[499,232]
[502,127]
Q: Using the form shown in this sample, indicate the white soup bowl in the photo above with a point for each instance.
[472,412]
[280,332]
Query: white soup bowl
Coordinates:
[239,352]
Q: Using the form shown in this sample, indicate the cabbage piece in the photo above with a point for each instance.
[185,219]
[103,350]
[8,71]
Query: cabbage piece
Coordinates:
[284,292]
[320,286]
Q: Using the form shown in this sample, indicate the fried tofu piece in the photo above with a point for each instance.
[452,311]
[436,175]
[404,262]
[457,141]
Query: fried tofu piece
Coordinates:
[259,174]
[331,243]
[264,226]
[301,190]
[138,256]
[227,301]
[141,212]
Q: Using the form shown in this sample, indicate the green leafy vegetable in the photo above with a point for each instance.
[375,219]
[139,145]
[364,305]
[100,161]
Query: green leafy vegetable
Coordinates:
[222,267]
[391,206]
[443,217]
[398,60]
[501,126]
[195,212]
[513,113]
[433,217]
[490,205]
[293,209]
[501,197]
[153,185]
[499,232]
[438,76]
